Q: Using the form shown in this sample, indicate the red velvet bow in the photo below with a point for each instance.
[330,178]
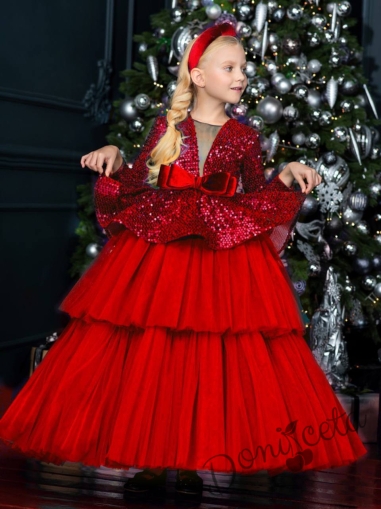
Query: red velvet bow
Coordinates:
[175,177]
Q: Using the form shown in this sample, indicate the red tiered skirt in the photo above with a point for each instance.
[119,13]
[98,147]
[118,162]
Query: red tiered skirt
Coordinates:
[179,356]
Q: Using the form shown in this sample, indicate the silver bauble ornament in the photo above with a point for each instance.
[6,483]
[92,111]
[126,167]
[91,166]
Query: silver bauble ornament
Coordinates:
[363,227]
[295,12]
[272,5]
[376,263]
[319,20]
[351,216]
[142,102]
[315,115]
[290,113]
[347,105]
[193,5]
[291,45]
[239,109]
[340,133]
[377,290]
[329,158]
[368,282]
[309,208]
[251,69]
[375,189]
[254,45]
[314,269]
[375,153]
[256,122]
[271,66]
[298,139]
[337,173]
[344,8]
[375,134]
[301,92]
[362,265]
[253,90]
[314,65]
[350,87]
[312,140]
[143,46]
[276,78]
[137,125]
[270,109]
[262,83]
[214,11]
[93,250]
[244,12]
[349,248]
[377,238]
[177,14]
[314,39]
[243,30]
[278,14]
[362,135]
[314,98]
[325,118]
[128,110]
[328,36]
[334,61]
[171,87]
[283,86]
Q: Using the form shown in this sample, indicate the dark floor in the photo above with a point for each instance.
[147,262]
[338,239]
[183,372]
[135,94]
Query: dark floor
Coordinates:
[30,484]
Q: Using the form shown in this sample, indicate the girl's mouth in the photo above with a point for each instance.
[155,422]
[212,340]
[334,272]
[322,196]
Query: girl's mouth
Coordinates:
[237,88]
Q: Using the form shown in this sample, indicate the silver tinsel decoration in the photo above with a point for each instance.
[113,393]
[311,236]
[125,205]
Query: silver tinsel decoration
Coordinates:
[332,90]
[326,337]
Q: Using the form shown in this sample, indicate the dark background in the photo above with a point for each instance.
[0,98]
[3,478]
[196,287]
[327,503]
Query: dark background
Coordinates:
[48,60]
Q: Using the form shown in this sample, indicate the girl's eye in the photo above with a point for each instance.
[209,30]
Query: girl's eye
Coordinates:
[229,68]
[244,70]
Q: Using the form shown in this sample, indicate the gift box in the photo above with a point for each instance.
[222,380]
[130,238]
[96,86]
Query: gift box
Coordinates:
[363,410]
[38,352]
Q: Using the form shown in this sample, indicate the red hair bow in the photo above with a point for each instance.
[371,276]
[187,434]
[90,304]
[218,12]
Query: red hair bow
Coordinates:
[175,177]
[205,38]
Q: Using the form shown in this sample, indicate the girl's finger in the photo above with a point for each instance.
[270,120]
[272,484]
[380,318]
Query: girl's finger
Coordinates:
[108,169]
[301,182]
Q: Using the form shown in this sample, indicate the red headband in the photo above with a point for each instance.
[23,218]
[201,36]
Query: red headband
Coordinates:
[205,38]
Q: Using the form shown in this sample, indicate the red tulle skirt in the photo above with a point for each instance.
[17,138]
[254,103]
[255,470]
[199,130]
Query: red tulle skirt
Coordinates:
[179,356]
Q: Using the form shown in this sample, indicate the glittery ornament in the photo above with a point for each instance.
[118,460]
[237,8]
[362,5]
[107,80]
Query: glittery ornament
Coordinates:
[177,14]
[375,189]
[274,143]
[368,282]
[351,216]
[315,115]
[93,250]
[171,87]
[253,90]
[243,30]
[142,47]
[344,8]
[314,39]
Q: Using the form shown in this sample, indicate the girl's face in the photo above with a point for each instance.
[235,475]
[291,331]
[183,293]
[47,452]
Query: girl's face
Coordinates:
[223,74]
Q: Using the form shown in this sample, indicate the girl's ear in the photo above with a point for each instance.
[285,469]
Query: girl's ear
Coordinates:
[197,77]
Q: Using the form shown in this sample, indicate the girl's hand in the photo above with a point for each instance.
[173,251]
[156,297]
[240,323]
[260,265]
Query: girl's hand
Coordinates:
[301,173]
[109,155]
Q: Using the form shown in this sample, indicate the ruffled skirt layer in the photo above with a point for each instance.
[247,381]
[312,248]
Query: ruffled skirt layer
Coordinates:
[179,356]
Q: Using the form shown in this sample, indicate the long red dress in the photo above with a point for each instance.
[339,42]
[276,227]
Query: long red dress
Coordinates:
[185,347]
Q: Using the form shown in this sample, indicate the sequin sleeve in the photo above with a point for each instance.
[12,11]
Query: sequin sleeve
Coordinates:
[263,208]
[113,194]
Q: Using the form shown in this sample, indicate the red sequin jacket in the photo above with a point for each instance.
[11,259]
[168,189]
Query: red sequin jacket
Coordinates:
[124,200]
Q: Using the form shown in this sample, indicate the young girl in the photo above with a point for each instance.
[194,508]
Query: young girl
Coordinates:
[185,347]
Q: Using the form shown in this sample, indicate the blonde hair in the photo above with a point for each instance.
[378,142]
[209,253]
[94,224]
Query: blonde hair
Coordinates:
[169,146]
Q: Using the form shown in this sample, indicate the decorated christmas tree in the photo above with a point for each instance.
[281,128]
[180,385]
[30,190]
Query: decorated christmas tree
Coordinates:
[309,99]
